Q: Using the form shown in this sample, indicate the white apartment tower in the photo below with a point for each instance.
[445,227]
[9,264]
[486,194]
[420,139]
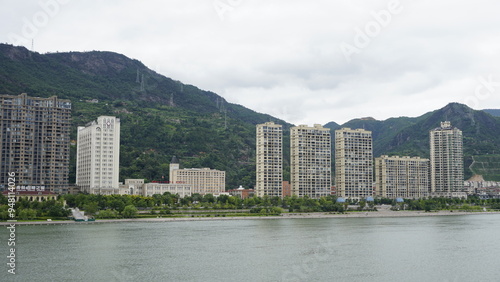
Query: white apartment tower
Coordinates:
[269,160]
[447,161]
[353,163]
[311,161]
[401,177]
[98,156]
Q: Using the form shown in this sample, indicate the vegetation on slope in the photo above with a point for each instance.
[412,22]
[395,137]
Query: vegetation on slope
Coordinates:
[162,117]
[159,117]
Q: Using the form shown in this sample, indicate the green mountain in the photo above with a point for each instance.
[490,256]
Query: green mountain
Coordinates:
[160,117]
[493,112]
[410,136]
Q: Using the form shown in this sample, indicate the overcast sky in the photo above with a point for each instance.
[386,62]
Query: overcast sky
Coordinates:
[305,62]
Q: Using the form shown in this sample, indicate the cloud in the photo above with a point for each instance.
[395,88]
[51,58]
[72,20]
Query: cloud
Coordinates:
[284,58]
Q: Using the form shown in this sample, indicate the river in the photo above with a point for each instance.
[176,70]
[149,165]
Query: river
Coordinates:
[440,248]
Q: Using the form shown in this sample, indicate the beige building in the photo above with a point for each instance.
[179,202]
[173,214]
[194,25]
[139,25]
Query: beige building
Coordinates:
[202,180]
[401,177]
[98,156]
[353,163]
[35,140]
[447,160]
[183,190]
[269,159]
[132,187]
[138,187]
[311,164]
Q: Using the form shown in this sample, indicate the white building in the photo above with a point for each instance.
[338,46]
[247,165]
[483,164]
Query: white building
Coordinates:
[98,156]
[269,159]
[447,160]
[311,161]
[183,190]
[132,187]
[138,187]
[353,163]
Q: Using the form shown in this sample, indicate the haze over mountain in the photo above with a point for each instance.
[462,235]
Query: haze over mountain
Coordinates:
[162,117]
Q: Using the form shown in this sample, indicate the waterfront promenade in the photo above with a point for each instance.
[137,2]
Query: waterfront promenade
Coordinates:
[351,214]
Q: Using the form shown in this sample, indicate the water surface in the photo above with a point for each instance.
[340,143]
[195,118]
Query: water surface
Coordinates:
[442,248]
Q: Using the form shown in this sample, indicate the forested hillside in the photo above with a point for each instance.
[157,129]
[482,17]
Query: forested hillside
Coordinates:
[160,117]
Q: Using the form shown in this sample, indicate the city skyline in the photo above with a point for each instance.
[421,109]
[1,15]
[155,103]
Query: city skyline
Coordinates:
[97,158]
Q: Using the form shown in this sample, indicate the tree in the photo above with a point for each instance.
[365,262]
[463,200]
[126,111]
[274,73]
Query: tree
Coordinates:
[91,208]
[362,204]
[222,199]
[57,210]
[107,214]
[209,198]
[3,199]
[129,211]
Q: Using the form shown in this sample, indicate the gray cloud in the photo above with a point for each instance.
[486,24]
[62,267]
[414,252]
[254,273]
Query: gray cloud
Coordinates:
[285,58]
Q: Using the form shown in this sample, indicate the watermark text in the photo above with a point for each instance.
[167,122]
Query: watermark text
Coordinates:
[40,19]
[363,37]
[11,242]
[222,7]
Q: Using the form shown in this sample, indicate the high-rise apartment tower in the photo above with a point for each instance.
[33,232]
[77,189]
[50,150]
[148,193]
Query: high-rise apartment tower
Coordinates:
[401,177]
[35,139]
[269,160]
[447,159]
[311,161]
[353,163]
[98,156]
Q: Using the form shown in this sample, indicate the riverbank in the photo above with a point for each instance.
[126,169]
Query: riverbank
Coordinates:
[382,213]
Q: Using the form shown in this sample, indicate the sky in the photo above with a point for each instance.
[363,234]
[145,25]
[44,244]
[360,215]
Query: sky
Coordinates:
[306,62]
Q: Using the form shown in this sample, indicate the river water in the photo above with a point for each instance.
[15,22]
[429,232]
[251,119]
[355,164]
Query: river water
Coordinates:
[442,248]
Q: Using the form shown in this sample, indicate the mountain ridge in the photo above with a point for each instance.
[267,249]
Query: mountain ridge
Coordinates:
[162,117]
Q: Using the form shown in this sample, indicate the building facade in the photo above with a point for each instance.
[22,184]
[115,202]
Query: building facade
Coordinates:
[132,187]
[35,141]
[287,189]
[353,163]
[447,160]
[150,189]
[310,164]
[98,156]
[202,180]
[269,159]
[241,192]
[138,187]
[401,177]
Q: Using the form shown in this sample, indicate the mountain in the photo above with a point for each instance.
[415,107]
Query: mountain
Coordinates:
[493,112]
[382,131]
[410,136]
[160,117]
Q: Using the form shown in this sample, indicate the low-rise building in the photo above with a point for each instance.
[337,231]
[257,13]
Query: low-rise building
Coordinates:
[183,190]
[241,192]
[202,180]
[138,187]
